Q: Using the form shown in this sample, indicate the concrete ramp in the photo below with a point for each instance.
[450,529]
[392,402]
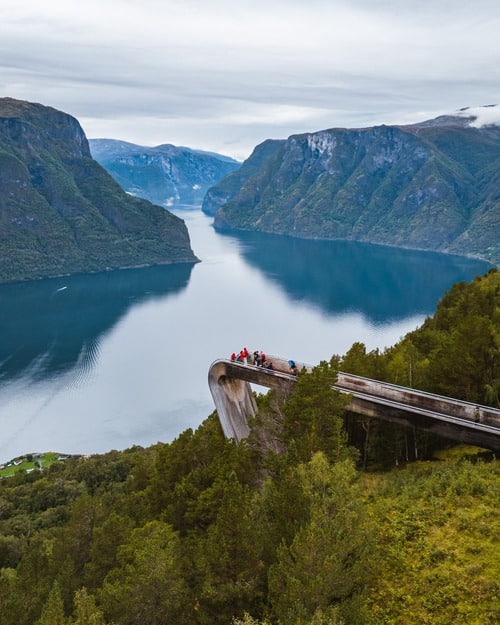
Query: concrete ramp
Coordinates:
[229,383]
[457,420]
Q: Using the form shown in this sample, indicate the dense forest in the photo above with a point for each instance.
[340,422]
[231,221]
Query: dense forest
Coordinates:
[309,521]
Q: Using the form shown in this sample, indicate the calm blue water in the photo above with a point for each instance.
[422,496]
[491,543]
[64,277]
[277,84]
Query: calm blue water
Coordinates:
[99,362]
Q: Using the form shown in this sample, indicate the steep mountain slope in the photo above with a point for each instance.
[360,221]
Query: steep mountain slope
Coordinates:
[433,185]
[61,212]
[166,175]
[229,186]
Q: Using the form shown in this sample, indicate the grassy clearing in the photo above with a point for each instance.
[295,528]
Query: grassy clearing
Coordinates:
[30,462]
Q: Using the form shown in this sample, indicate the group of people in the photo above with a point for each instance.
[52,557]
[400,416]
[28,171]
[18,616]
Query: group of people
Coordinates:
[259,359]
[242,356]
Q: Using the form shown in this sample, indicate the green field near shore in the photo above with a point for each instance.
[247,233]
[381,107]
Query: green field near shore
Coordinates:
[30,462]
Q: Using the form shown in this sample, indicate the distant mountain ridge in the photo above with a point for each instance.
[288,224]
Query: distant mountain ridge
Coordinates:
[166,175]
[62,213]
[433,185]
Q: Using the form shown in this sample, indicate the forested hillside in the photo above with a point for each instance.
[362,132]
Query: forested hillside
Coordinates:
[454,353]
[432,185]
[286,528]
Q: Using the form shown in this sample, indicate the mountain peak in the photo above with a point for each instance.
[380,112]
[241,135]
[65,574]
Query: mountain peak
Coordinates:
[166,174]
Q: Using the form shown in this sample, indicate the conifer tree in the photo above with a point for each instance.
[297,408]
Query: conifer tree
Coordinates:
[325,566]
[313,415]
[147,587]
[86,612]
[53,610]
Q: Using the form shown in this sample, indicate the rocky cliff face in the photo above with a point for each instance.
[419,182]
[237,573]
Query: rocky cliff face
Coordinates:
[165,175]
[61,213]
[434,185]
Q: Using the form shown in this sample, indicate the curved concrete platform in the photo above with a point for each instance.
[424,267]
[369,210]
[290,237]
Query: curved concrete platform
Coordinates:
[229,383]
[457,420]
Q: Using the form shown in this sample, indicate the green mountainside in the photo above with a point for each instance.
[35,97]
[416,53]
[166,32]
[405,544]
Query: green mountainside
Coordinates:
[62,213]
[433,186]
[310,521]
[229,186]
[166,175]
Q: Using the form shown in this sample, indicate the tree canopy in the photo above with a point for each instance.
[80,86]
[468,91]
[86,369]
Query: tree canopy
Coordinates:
[314,519]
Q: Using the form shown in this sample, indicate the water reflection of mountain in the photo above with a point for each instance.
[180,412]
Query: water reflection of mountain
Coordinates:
[53,325]
[382,283]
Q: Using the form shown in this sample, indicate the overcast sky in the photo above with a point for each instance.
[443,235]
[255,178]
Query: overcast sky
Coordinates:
[225,75]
